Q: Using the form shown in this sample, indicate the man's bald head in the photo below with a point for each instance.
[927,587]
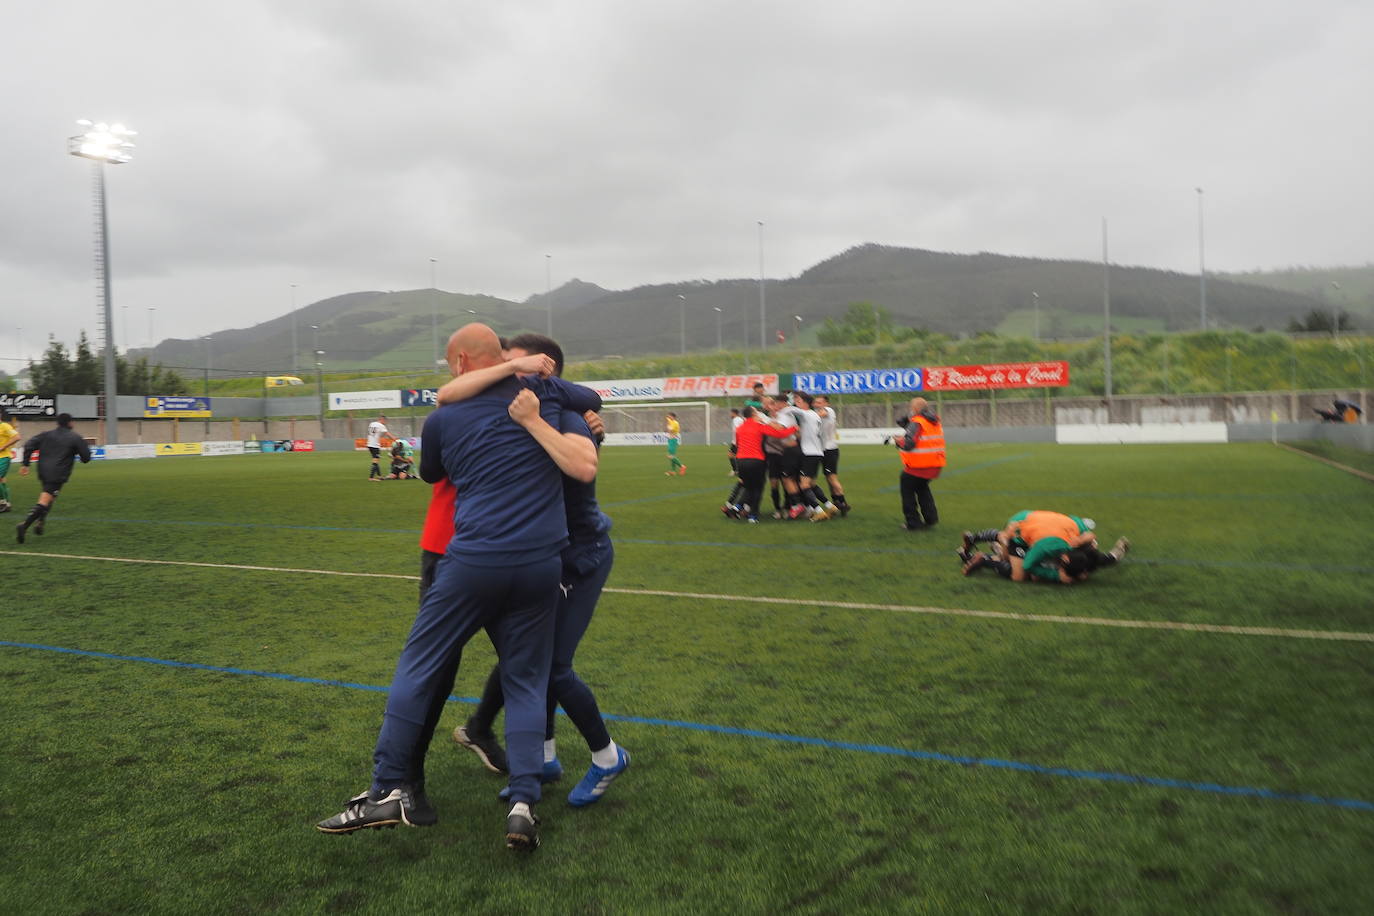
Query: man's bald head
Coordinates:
[918,405]
[473,346]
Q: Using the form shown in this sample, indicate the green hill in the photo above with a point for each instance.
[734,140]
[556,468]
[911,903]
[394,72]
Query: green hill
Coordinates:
[956,295]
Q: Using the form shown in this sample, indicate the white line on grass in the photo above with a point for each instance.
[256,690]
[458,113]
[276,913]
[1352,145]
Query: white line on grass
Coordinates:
[1335,635]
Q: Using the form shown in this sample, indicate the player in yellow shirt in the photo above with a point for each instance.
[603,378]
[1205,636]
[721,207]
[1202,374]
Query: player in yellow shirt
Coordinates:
[674,429]
[9,438]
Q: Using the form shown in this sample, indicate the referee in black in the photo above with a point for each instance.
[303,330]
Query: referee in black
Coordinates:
[57,449]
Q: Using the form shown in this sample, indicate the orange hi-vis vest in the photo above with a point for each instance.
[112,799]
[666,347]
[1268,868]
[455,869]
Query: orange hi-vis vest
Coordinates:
[930,446]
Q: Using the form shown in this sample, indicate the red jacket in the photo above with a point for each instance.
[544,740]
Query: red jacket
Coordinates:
[749,437]
[438,529]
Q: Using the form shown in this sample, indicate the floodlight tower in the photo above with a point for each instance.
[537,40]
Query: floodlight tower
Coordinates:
[104,143]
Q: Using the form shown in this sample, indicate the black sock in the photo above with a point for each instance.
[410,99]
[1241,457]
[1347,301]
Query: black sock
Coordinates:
[777,506]
[1003,567]
[838,498]
[987,534]
[482,719]
[819,494]
[735,494]
[37,512]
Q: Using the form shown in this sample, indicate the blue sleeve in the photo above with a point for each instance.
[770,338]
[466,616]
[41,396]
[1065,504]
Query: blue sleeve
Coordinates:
[431,455]
[573,423]
[577,398]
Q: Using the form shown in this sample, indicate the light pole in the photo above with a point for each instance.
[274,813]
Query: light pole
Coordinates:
[319,387]
[548,292]
[763,312]
[796,340]
[720,343]
[294,348]
[433,314]
[209,358]
[1201,264]
[104,143]
[1106,318]
[1335,310]
[1035,302]
[682,322]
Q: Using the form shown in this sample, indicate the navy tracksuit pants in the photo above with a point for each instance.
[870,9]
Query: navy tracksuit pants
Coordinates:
[516,605]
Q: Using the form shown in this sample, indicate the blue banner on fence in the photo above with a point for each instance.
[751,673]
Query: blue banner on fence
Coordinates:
[857,382]
[419,397]
[184,407]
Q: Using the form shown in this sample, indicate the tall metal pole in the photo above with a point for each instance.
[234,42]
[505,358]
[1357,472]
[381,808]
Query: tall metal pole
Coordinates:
[433,315]
[763,311]
[1335,310]
[294,348]
[1106,317]
[720,343]
[111,389]
[548,291]
[1201,264]
[682,321]
[1035,300]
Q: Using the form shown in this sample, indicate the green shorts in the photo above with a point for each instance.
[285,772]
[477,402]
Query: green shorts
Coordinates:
[672,446]
[4,466]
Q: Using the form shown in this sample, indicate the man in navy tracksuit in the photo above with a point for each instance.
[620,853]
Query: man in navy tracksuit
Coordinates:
[501,572]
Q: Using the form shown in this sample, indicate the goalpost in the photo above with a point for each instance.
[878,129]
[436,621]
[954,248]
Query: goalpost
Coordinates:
[642,423]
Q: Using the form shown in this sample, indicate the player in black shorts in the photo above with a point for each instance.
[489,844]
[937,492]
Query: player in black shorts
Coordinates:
[58,450]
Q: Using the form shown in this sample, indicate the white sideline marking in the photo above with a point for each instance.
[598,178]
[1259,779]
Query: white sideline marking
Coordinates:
[1228,630]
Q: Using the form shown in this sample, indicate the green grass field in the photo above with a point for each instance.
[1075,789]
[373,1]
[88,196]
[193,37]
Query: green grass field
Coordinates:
[862,746]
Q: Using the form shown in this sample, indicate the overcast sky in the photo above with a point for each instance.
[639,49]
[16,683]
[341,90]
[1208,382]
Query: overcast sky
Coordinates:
[340,144]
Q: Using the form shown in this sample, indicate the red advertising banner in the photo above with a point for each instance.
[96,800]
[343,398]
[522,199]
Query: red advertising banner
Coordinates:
[997,375]
[302,445]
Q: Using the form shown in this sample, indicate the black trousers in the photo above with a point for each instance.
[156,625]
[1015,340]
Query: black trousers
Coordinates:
[751,473]
[918,505]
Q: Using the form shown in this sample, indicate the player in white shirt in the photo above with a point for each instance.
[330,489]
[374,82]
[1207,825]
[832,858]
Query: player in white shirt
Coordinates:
[830,455]
[809,433]
[375,431]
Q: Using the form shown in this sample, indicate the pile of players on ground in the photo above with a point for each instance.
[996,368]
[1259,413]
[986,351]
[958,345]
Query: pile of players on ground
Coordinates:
[789,441]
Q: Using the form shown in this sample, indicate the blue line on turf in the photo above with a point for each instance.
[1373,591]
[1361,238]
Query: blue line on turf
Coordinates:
[934,756]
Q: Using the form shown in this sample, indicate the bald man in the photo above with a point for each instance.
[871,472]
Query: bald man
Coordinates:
[922,450]
[500,573]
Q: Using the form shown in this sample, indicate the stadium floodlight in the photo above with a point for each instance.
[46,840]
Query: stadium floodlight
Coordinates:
[104,143]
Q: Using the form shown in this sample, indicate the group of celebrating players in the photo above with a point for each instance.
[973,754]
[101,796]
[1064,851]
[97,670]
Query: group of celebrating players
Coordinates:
[787,441]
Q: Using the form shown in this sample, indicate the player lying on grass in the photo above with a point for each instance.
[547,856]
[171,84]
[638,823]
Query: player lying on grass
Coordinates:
[402,461]
[1040,545]
[587,563]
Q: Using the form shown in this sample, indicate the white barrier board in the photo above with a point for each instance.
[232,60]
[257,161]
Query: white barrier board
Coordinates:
[140,450]
[222,448]
[1137,433]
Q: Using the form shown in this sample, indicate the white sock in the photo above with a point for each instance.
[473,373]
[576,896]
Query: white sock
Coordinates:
[607,758]
[549,752]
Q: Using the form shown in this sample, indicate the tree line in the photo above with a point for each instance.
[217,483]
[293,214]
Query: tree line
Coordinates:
[82,372]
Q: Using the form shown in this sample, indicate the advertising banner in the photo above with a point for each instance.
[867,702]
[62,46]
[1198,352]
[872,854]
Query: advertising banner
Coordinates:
[360,444]
[659,439]
[222,448]
[682,386]
[165,449]
[182,407]
[302,445]
[26,404]
[365,400]
[998,375]
[280,381]
[856,382]
[419,397]
[139,450]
